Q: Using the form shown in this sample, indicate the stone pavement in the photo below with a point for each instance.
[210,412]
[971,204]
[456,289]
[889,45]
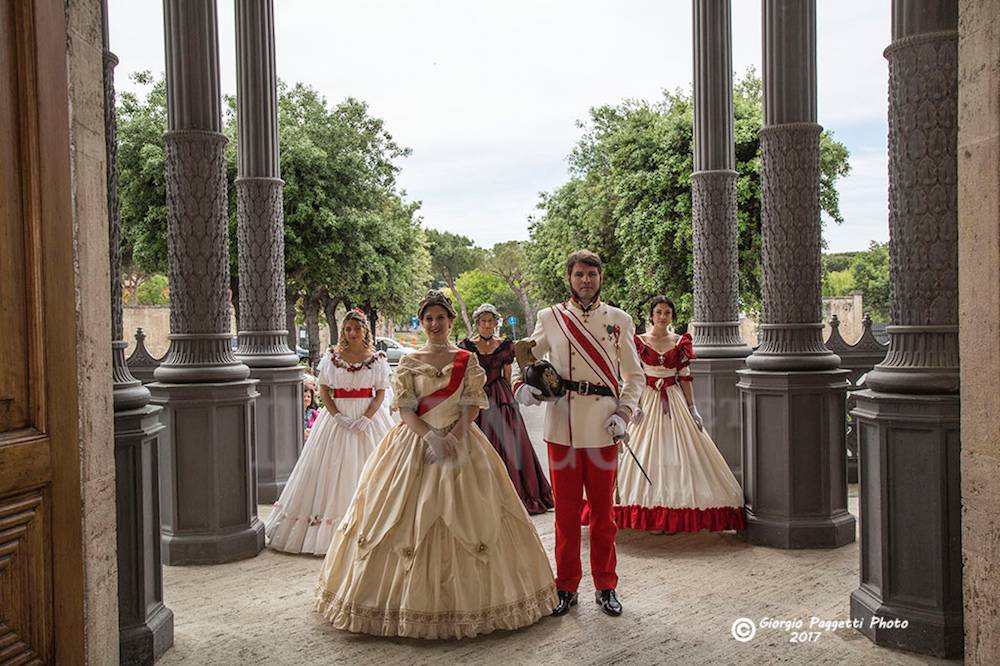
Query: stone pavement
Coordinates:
[681,594]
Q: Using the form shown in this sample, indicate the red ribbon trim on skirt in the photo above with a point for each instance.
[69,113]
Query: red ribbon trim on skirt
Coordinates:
[354,393]
[665,519]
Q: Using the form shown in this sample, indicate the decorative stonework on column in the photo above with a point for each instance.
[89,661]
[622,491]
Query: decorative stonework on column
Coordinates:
[260,231]
[911,546]
[793,394]
[208,501]
[717,341]
[145,624]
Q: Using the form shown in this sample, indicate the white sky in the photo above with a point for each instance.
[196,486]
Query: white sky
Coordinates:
[487,94]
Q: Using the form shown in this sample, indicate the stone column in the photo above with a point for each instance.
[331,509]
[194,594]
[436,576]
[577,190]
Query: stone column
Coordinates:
[208,495]
[717,342]
[911,540]
[793,393]
[145,624]
[260,231]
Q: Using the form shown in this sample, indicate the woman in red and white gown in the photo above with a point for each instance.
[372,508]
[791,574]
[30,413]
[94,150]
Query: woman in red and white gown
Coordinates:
[436,543]
[353,381]
[692,486]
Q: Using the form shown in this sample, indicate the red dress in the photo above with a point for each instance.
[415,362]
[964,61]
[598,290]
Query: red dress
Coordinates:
[503,426]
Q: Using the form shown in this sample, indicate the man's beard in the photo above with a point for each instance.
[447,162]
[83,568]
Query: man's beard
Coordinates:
[576,295]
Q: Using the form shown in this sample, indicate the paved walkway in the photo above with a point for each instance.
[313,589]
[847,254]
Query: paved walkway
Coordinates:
[681,595]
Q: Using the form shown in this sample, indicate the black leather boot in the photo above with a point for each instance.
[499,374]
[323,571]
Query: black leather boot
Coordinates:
[566,600]
[608,601]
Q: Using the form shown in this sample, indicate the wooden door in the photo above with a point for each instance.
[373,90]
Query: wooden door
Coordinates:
[41,568]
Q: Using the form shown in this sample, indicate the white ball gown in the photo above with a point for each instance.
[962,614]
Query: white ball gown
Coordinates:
[323,481]
[436,550]
[693,488]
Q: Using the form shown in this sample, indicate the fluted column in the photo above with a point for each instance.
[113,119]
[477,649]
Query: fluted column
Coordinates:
[909,419]
[260,232]
[208,502]
[717,341]
[793,394]
[145,624]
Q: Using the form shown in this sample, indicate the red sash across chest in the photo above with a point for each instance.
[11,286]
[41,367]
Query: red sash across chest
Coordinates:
[582,340]
[432,400]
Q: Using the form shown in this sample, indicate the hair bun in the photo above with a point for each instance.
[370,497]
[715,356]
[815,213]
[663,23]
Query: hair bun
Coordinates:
[436,297]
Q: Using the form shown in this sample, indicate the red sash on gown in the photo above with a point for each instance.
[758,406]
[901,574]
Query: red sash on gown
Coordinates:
[432,400]
[354,393]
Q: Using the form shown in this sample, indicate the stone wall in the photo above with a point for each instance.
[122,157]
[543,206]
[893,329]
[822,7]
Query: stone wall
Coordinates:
[850,310]
[91,293]
[979,314]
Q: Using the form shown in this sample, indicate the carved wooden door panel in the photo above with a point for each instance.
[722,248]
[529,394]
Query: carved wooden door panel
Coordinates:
[41,571]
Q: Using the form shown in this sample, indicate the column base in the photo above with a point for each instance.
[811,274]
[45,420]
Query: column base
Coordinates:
[718,401]
[145,625]
[939,634]
[208,494]
[911,521]
[794,459]
[279,428]
[145,643]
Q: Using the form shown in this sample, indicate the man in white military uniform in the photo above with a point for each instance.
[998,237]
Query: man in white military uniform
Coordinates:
[590,344]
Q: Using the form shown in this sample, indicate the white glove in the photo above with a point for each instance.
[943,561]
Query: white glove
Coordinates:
[528,395]
[343,421]
[362,424]
[438,447]
[615,425]
[637,415]
[696,416]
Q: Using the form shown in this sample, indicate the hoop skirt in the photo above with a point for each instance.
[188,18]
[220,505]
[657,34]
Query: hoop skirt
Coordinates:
[503,426]
[441,550]
[322,483]
[693,488]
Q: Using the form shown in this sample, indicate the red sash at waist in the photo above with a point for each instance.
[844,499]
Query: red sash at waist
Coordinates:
[661,384]
[354,393]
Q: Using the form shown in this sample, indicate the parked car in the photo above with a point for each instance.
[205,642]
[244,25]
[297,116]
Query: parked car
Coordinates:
[393,349]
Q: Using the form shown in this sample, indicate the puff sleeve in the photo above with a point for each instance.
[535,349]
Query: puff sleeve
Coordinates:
[473,394]
[326,369]
[380,373]
[685,352]
[404,395]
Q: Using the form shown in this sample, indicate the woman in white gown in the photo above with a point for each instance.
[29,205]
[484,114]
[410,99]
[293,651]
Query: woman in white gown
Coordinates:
[693,488]
[437,543]
[353,380]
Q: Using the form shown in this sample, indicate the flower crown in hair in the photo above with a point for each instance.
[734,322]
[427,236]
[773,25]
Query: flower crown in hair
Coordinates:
[358,314]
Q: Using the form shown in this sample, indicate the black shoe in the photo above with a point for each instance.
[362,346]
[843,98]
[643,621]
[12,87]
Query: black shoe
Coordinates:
[566,599]
[608,601]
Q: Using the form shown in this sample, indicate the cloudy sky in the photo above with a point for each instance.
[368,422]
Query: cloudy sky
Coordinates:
[487,94]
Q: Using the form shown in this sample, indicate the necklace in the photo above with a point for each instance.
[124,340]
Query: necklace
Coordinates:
[482,338]
[437,346]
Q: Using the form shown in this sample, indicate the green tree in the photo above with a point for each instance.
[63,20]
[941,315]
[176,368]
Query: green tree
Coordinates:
[870,272]
[452,255]
[838,283]
[480,286]
[629,200]
[509,261]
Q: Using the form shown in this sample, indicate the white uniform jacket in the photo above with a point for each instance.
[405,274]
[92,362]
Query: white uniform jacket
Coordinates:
[598,348]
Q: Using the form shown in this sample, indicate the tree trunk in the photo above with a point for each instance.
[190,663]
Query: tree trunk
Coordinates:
[311,306]
[291,300]
[529,313]
[372,318]
[461,305]
[330,310]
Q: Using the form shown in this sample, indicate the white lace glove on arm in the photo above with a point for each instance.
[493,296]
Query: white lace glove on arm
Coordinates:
[696,416]
[343,421]
[363,424]
[528,395]
[438,447]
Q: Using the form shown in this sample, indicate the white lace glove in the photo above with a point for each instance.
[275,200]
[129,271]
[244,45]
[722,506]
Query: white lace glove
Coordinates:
[363,424]
[438,447]
[615,425]
[696,416]
[343,421]
[528,395]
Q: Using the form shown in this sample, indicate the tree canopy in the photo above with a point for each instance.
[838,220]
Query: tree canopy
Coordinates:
[628,198]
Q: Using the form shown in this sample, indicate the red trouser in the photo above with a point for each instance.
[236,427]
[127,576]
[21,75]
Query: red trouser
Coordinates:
[571,470]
